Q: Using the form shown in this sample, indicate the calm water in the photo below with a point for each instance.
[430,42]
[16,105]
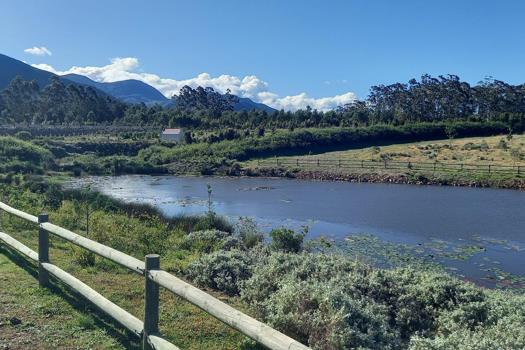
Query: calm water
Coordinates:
[418,215]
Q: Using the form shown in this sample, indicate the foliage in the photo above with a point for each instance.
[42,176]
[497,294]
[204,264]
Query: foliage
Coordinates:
[431,99]
[332,302]
[23,135]
[287,240]
[24,102]
[205,241]
[314,140]
[20,156]
[200,98]
[247,231]
[221,270]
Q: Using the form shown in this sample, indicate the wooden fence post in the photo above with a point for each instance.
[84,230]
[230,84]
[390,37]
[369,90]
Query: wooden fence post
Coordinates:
[151,301]
[317,161]
[2,214]
[43,251]
[489,168]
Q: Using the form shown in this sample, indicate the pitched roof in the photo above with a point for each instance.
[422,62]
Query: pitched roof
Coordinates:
[171,131]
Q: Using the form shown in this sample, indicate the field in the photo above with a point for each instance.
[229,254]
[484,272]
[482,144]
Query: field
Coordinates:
[475,150]
[489,159]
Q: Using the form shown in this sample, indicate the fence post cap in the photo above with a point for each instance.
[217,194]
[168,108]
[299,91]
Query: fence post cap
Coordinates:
[43,218]
[152,261]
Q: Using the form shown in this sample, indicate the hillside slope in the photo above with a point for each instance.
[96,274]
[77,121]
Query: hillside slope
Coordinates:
[11,68]
[131,91]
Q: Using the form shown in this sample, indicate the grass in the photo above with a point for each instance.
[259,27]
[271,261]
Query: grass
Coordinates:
[31,317]
[494,150]
[60,319]
[472,150]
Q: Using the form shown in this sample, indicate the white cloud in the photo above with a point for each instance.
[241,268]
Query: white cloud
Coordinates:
[38,51]
[249,86]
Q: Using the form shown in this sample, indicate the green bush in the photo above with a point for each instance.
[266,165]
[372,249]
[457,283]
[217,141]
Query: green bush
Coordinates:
[221,270]
[23,135]
[205,241]
[333,302]
[495,323]
[247,231]
[303,141]
[20,156]
[287,240]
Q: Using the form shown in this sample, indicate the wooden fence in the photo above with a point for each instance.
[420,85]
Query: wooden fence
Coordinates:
[312,162]
[154,277]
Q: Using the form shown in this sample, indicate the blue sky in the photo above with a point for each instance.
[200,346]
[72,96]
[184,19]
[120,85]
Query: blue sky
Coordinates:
[287,47]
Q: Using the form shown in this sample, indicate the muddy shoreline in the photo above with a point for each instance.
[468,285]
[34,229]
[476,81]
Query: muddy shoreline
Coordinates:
[408,179]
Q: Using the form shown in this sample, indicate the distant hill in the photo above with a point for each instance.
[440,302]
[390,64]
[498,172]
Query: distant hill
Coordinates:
[136,91]
[11,68]
[129,91]
[247,104]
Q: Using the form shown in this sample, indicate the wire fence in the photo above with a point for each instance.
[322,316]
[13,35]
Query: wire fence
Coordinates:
[387,165]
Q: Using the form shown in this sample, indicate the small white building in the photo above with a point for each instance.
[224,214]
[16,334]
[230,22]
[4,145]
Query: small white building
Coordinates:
[172,135]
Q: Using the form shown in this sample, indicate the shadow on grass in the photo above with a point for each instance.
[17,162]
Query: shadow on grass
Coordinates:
[127,339]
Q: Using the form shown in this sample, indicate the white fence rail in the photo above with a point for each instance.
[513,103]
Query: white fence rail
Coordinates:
[153,276]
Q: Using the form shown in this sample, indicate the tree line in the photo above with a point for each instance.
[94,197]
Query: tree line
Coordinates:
[25,102]
[429,99]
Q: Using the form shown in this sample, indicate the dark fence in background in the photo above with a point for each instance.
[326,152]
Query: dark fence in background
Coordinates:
[341,164]
[60,130]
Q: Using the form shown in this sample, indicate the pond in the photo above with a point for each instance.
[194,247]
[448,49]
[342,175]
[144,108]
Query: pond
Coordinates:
[476,233]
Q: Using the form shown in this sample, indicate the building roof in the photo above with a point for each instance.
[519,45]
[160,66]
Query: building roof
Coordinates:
[172,131]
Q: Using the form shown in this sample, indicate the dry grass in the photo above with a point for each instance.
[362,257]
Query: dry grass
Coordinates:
[476,150]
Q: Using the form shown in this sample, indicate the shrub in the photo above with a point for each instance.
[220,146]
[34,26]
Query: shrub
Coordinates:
[23,157]
[332,302]
[211,222]
[221,270]
[502,144]
[496,323]
[287,240]
[23,135]
[247,231]
[302,141]
[315,298]
[83,257]
[204,241]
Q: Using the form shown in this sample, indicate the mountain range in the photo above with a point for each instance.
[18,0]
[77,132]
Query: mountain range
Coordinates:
[129,91]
